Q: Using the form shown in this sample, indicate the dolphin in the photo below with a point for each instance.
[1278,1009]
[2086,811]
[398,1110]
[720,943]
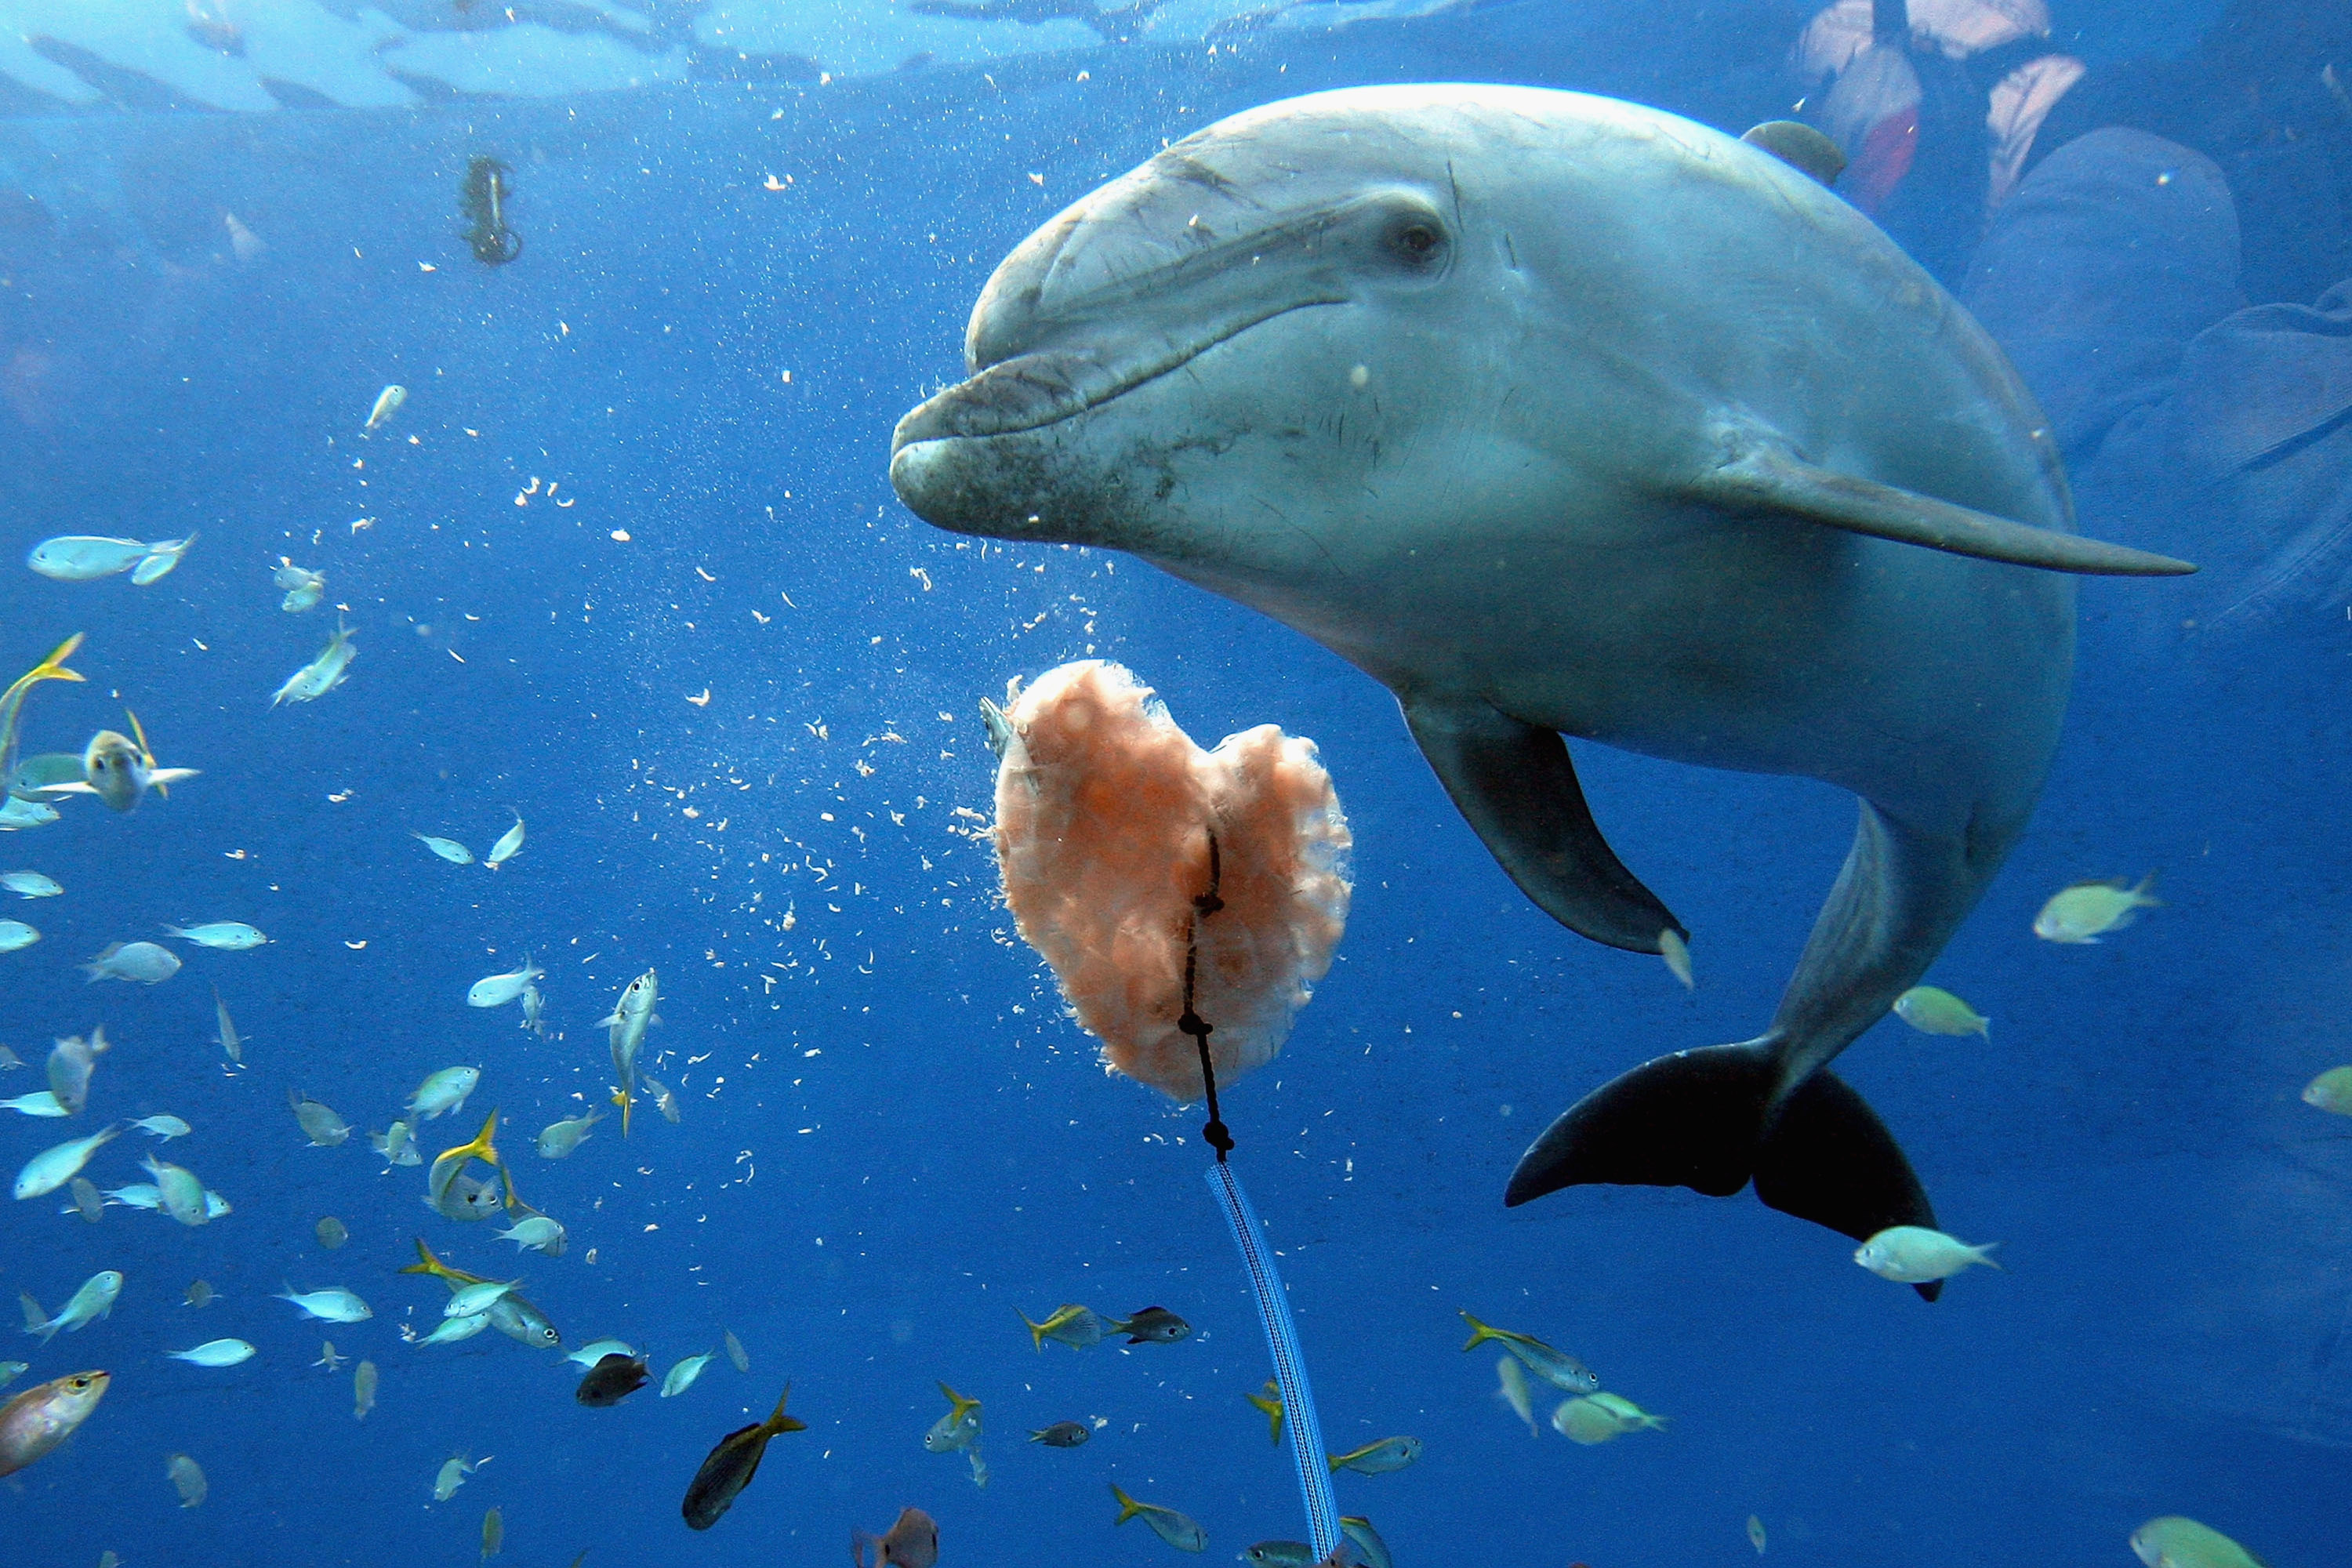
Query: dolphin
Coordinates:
[1560,416]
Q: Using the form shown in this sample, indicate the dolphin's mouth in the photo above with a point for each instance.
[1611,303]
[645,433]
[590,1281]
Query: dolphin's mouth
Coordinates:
[1031,391]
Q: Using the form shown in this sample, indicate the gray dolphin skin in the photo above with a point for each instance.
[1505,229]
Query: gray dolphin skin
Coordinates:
[1557,415]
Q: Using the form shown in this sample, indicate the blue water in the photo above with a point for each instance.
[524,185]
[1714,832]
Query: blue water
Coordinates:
[891,1139]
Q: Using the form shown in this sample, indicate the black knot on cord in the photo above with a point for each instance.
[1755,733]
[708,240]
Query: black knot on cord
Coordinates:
[1204,904]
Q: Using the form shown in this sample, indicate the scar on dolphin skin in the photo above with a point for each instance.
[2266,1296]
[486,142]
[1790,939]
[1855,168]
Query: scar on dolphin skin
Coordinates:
[1650,452]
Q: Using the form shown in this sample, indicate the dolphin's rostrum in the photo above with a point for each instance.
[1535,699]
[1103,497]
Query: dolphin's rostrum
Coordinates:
[1560,416]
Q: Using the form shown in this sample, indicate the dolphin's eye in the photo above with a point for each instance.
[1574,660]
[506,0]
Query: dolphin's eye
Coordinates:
[1416,242]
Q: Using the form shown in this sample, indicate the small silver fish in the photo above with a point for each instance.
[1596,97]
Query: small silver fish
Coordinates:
[449,849]
[228,936]
[509,843]
[664,1102]
[538,1233]
[498,990]
[94,1300]
[443,1092]
[332,1305]
[85,558]
[187,1477]
[232,1045]
[323,673]
[72,1060]
[142,962]
[321,1126]
[30,885]
[161,558]
[397,1145]
[681,1377]
[120,770]
[558,1139]
[178,1191]
[53,1167]
[304,588]
[387,403]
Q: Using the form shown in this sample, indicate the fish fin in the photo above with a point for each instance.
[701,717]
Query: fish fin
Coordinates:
[68,788]
[1516,786]
[1036,1331]
[1983,1255]
[622,1099]
[426,1263]
[1703,1119]
[1480,1332]
[164,778]
[1756,474]
[779,1423]
[1128,1506]
[610,1021]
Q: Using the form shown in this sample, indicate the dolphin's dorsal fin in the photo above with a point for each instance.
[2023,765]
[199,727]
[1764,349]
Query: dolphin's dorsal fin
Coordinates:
[1756,476]
[1799,146]
[1514,784]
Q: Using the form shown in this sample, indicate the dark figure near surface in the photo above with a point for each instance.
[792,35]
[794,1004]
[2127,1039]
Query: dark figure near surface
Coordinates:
[482,199]
[1114,27]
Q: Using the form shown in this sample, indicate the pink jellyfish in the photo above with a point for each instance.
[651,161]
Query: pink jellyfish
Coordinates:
[1105,811]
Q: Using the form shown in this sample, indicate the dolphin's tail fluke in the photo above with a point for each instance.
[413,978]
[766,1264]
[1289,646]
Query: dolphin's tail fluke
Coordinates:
[1705,1119]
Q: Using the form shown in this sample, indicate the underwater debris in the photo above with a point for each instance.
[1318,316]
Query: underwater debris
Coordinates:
[482,198]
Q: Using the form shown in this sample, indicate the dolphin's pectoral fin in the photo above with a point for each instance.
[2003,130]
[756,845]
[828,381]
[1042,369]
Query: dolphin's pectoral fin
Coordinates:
[1758,477]
[1828,1158]
[1516,787]
[1703,1119]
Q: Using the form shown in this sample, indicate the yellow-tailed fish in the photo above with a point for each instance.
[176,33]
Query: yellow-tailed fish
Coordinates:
[1377,1458]
[631,1016]
[450,1162]
[729,1467]
[1177,1530]
[1068,1323]
[12,702]
[957,1427]
[1560,1369]
[1269,1400]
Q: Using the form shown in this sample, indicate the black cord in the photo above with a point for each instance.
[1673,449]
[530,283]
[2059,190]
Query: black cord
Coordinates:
[1204,904]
